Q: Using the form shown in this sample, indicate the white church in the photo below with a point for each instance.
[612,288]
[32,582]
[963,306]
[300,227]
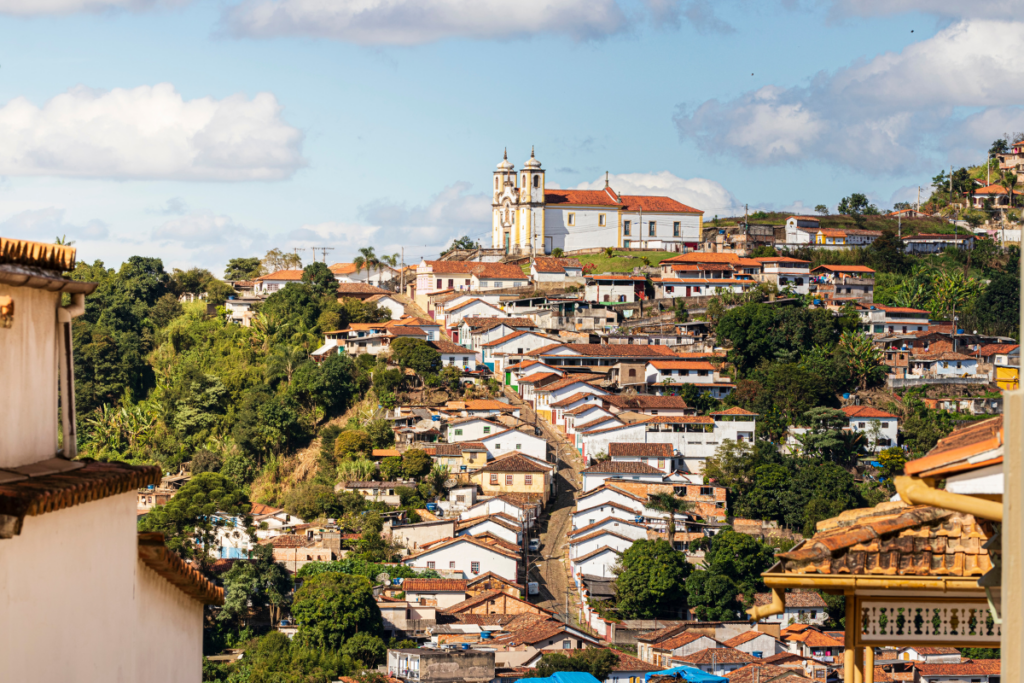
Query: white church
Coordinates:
[528,217]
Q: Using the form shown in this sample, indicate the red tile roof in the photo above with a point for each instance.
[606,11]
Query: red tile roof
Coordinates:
[445,346]
[746,637]
[582,197]
[717,655]
[289,275]
[953,453]
[622,467]
[554,265]
[611,350]
[643,450]
[735,410]
[794,598]
[499,271]
[189,580]
[513,335]
[512,463]
[684,638]
[358,288]
[433,585]
[578,396]
[974,667]
[866,412]
[656,204]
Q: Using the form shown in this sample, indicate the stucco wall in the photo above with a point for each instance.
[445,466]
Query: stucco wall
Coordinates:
[28,401]
[77,607]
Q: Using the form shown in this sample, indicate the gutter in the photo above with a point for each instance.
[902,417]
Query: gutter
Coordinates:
[776,606]
[915,491]
[66,368]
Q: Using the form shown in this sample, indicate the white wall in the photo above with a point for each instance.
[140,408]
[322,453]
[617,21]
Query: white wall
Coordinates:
[599,565]
[466,362]
[463,555]
[689,227]
[582,518]
[655,376]
[582,548]
[491,527]
[889,431]
[77,605]
[515,440]
[586,233]
[592,480]
[615,292]
[396,307]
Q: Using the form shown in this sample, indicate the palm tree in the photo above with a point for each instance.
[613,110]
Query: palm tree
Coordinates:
[63,241]
[669,504]
[367,259]
[284,361]
[304,335]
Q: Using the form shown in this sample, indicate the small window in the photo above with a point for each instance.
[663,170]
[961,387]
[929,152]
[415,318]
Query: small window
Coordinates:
[601,219]
[497,446]
[474,567]
[566,644]
[652,228]
[508,480]
[536,181]
[494,479]
[458,432]
[625,227]
[519,446]
[451,565]
[625,244]
[495,182]
[487,430]
[675,229]
[439,285]
[431,565]
[632,373]
[571,219]
[528,479]
[707,491]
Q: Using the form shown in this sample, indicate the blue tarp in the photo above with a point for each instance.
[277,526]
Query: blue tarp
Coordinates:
[566,677]
[688,673]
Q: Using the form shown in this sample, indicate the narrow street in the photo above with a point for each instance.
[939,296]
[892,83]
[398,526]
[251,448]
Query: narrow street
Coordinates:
[551,568]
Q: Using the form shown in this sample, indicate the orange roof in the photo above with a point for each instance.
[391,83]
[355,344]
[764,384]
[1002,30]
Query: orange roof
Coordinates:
[656,204]
[735,410]
[845,269]
[993,189]
[779,259]
[681,365]
[702,257]
[806,218]
[606,197]
[343,268]
[290,275]
[981,442]
[865,412]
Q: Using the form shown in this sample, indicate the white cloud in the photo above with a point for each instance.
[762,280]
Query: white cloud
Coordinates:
[700,193]
[414,22]
[43,225]
[149,132]
[40,7]
[978,9]
[884,115]
[452,212]
[202,228]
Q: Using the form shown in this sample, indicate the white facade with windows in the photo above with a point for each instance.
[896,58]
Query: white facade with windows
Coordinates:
[472,429]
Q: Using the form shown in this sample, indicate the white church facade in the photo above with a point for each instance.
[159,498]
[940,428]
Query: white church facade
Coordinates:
[530,218]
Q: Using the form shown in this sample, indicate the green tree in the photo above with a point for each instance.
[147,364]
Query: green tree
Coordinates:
[463,243]
[330,608]
[682,315]
[242,269]
[416,354]
[369,650]
[309,501]
[734,563]
[381,434]
[276,260]
[415,463]
[822,209]
[857,204]
[349,444]
[999,146]
[191,519]
[165,310]
[827,437]
[652,580]
[858,353]
[320,278]
[885,254]
[999,305]
[257,583]
[390,468]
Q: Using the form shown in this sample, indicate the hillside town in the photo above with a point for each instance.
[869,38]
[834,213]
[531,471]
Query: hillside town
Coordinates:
[617,444]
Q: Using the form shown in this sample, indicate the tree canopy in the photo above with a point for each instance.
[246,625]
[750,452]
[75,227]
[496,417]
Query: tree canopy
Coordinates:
[331,607]
[652,581]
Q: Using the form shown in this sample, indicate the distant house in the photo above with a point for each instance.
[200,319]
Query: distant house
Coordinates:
[801,229]
[389,302]
[862,421]
[926,243]
[930,655]
[717,661]
[358,290]
[786,272]
[453,355]
[518,343]
[802,607]
[377,491]
[498,276]
[514,473]
[615,288]
[996,195]
[273,282]
[555,269]
[474,307]
[469,556]
[595,475]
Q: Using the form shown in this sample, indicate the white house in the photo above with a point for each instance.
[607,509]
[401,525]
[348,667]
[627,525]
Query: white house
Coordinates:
[563,388]
[510,440]
[498,276]
[615,288]
[388,302]
[930,655]
[474,332]
[472,429]
[660,456]
[595,475]
[453,314]
[266,285]
[863,420]
[467,555]
[586,543]
[616,525]
[506,505]
[518,343]
[674,287]
[801,229]
[925,243]
[756,643]
[601,562]
[528,217]
[783,272]
[349,273]
[514,373]
[501,526]
[454,355]
[544,269]
[583,517]
[680,372]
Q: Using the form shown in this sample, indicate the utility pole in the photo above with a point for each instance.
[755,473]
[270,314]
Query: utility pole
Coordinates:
[918,198]
[899,226]
[323,252]
[403,271]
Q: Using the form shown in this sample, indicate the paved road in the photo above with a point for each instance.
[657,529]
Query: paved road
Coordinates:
[551,568]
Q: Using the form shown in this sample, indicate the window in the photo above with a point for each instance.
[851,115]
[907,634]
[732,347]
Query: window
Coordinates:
[451,284]
[508,480]
[494,479]
[601,219]
[651,228]
[467,283]
[625,227]
[495,182]
[528,479]
[707,491]
[458,432]
[439,285]
[431,565]
[499,285]
[632,373]
[451,565]
[625,244]
[566,644]
[536,181]
[460,499]
[571,219]
[675,229]
[622,298]
[487,430]
[474,567]
[497,446]
[519,446]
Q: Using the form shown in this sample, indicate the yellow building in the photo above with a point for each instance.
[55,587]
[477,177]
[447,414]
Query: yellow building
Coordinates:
[513,473]
[1008,377]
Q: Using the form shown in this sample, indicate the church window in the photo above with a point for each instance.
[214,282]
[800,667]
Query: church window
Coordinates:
[601,219]
[651,227]
[572,219]
[495,182]
[536,181]
[675,229]
[625,227]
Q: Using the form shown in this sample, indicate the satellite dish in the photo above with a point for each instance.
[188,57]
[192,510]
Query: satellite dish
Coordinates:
[387,582]
[383,576]
[451,483]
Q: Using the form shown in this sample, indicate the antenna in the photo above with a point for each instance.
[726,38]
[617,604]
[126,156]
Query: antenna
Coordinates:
[383,576]
[451,483]
[323,252]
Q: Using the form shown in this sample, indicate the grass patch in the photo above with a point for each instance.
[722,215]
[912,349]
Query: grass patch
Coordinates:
[624,261]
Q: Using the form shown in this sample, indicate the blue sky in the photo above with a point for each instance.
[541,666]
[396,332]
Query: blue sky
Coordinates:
[201,130]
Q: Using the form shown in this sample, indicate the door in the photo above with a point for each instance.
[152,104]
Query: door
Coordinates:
[548,244]
[688,291]
[508,240]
